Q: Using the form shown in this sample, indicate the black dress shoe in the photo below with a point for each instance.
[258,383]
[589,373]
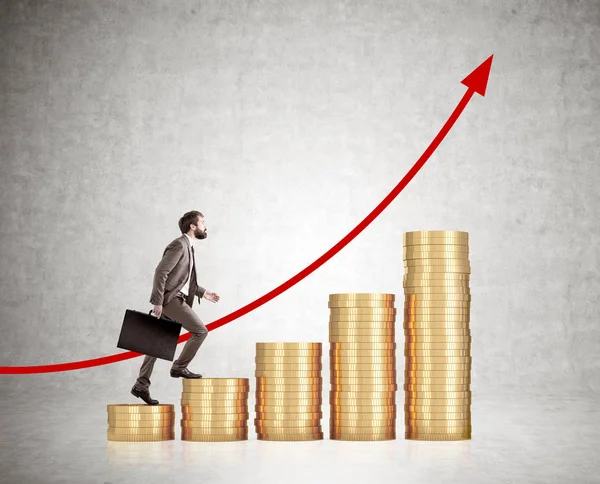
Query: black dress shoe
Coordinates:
[185,373]
[144,395]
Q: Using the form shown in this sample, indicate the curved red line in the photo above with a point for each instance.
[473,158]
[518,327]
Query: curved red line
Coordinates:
[76,365]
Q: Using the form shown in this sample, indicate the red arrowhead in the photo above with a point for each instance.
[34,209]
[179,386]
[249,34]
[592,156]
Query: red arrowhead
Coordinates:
[478,79]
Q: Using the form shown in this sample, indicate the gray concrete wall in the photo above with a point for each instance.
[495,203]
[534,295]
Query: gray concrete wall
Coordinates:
[286,123]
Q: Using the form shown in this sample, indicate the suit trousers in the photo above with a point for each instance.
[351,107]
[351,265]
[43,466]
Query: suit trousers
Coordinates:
[178,310]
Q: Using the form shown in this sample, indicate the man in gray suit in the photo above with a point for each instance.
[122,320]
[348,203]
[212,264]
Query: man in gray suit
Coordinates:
[173,293]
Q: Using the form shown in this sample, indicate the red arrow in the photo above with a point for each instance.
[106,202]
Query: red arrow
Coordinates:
[476,82]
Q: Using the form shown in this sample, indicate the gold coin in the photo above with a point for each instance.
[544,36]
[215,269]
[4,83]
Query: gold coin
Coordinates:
[126,408]
[376,366]
[429,416]
[421,380]
[435,233]
[365,319]
[416,304]
[452,340]
[283,353]
[352,348]
[207,403]
[414,265]
[362,412]
[298,389]
[189,433]
[357,430]
[289,395]
[427,248]
[361,311]
[439,395]
[439,367]
[157,437]
[437,373]
[265,425]
[462,291]
[126,431]
[434,257]
[371,325]
[362,360]
[291,432]
[435,277]
[216,396]
[437,332]
[437,346]
[289,346]
[117,418]
[358,303]
[375,338]
[289,417]
[374,296]
[286,402]
[435,320]
[216,382]
[362,437]
[288,380]
[438,425]
[363,401]
[349,387]
[350,394]
[387,376]
[438,359]
[290,373]
[436,405]
[437,353]
[429,387]
[431,297]
[289,438]
[362,331]
[190,424]
[416,312]
[289,366]
[438,437]
[437,326]
[215,438]
[241,414]
[142,424]
[314,412]
[287,359]
[367,423]
[464,268]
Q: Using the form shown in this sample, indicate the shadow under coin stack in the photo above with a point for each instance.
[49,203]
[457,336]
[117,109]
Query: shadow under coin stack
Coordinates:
[363,367]
[215,409]
[437,336]
[289,390]
[140,423]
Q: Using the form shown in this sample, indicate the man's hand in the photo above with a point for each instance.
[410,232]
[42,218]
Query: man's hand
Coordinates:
[211,296]
[158,310]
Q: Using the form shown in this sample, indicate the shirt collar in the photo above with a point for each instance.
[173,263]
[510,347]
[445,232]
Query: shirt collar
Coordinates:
[190,239]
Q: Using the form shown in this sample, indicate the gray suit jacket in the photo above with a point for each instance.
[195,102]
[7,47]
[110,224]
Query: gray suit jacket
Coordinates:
[172,273]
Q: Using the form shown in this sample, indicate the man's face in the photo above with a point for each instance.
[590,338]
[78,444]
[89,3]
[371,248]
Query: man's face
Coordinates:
[199,229]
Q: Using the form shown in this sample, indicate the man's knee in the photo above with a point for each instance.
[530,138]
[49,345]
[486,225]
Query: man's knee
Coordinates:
[200,332]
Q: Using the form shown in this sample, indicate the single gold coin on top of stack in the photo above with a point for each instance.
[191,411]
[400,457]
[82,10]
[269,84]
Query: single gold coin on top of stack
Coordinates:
[437,305]
[140,423]
[215,409]
[363,366]
[289,387]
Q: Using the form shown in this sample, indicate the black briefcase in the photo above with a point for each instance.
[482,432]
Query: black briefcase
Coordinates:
[149,335]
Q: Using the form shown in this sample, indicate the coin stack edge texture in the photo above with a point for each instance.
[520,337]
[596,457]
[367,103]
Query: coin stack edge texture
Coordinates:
[437,349]
[214,409]
[140,423]
[289,389]
[362,366]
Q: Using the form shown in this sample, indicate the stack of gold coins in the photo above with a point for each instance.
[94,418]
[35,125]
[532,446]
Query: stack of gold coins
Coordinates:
[215,409]
[140,423]
[363,366]
[437,335]
[289,390]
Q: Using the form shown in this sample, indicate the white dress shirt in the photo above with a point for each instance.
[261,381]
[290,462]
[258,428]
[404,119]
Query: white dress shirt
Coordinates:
[186,288]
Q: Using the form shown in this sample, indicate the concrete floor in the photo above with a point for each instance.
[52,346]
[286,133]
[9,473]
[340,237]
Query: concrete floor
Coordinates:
[517,437]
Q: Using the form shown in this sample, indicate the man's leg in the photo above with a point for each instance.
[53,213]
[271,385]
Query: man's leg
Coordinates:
[178,310]
[143,381]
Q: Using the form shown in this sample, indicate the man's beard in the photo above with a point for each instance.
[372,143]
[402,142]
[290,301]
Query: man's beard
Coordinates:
[201,235]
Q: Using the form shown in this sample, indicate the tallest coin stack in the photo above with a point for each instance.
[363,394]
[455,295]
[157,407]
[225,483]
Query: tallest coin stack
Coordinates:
[437,303]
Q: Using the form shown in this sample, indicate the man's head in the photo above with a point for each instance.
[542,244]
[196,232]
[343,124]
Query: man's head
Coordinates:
[192,223]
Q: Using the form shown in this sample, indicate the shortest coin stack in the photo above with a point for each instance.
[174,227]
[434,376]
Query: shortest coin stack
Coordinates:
[140,423]
[289,391]
[215,409]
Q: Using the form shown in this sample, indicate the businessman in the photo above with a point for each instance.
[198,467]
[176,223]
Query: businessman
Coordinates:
[173,293]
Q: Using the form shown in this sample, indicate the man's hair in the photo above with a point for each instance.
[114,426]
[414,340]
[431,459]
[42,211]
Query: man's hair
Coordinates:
[188,219]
